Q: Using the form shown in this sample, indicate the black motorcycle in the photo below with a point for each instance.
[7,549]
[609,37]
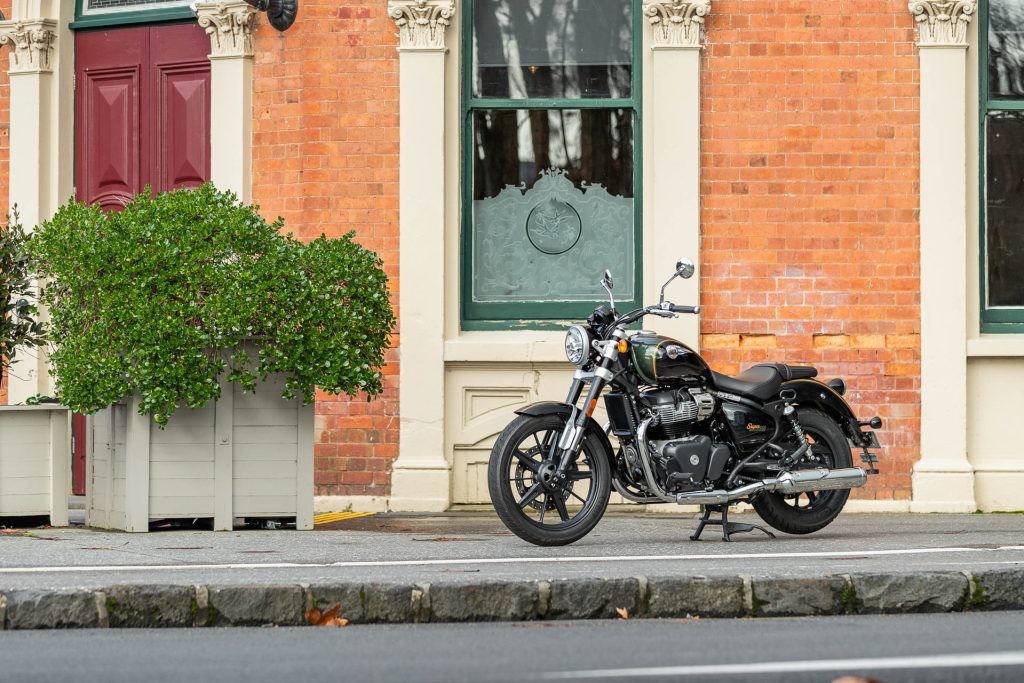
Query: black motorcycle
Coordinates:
[772,436]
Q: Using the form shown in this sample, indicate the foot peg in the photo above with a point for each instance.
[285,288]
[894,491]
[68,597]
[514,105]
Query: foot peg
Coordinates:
[728,527]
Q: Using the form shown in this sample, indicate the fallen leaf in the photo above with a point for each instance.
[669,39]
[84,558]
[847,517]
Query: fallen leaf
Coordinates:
[327,618]
[623,612]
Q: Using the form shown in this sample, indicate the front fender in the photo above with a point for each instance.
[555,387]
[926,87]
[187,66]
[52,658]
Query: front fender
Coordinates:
[815,394]
[567,412]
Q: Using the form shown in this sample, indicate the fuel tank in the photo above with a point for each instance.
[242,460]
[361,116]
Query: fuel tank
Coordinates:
[663,360]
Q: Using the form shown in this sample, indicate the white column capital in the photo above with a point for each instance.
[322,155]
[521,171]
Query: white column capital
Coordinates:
[677,23]
[230,25]
[32,42]
[942,23]
[422,24]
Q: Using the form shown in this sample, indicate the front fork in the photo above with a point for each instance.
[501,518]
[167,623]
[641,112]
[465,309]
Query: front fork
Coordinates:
[576,425]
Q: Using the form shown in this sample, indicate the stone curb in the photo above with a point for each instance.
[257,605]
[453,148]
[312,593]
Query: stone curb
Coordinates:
[177,606]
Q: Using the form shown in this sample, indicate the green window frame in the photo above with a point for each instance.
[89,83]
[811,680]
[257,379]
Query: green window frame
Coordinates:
[994,318]
[130,15]
[540,315]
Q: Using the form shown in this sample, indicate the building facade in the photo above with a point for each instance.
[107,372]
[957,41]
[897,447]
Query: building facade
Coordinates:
[844,175]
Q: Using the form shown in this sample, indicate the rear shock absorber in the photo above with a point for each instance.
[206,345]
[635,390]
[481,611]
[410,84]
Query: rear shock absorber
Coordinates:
[803,445]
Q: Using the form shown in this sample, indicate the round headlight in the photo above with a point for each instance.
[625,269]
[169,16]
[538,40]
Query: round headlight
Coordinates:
[577,345]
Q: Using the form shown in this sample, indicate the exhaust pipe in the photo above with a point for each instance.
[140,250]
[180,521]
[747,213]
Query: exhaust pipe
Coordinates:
[819,479]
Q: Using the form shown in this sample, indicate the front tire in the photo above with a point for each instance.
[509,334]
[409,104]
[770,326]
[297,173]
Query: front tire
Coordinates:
[527,501]
[805,513]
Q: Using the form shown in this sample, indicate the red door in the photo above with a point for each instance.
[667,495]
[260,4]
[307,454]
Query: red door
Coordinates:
[142,118]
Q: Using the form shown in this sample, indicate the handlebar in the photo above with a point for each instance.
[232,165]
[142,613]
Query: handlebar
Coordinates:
[656,309]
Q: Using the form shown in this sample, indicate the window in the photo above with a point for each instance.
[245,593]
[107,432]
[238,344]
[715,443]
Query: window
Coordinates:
[1002,186]
[551,139]
[91,13]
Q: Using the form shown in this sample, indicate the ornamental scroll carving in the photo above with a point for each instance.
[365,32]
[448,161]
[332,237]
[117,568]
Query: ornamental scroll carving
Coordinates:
[421,23]
[677,23]
[31,42]
[230,26]
[941,22]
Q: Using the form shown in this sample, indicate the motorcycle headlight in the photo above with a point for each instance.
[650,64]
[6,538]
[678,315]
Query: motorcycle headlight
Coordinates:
[577,345]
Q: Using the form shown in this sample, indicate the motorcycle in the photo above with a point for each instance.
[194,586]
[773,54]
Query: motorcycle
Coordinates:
[773,436]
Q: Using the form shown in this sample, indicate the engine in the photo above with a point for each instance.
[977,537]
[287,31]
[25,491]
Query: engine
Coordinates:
[675,411]
[684,458]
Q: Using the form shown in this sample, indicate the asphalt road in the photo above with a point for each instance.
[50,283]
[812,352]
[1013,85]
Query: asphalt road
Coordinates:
[435,548]
[935,648]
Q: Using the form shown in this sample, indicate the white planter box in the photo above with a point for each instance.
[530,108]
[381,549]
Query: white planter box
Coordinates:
[246,455]
[35,461]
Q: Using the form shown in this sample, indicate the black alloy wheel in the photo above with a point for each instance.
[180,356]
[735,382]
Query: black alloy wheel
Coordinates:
[530,499]
[807,512]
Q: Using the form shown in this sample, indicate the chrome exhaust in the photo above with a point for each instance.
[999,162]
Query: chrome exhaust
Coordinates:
[800,481]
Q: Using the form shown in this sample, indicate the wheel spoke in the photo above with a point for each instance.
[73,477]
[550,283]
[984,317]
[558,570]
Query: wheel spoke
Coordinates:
[544,507]
[573,494]
[528,462]
[531,495]
[563,513]
[580,476]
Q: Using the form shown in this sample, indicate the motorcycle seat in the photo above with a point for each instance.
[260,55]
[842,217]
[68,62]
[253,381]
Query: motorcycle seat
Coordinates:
[763,381]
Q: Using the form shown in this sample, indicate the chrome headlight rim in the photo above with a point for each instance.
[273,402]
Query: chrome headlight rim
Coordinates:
[577,345]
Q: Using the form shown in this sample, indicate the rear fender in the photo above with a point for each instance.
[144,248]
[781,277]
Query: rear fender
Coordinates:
[815,394]
[566,411]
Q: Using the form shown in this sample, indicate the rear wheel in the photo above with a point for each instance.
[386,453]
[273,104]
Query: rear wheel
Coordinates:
[529,500]
[805,513]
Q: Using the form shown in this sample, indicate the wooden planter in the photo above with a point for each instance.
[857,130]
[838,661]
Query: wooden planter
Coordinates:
[35,461]
[245,455]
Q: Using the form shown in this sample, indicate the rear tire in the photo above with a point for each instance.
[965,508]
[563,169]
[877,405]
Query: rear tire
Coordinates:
[806,513]
[532,511]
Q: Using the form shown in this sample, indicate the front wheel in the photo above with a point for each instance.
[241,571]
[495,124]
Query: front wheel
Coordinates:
[805,513]
[528,500]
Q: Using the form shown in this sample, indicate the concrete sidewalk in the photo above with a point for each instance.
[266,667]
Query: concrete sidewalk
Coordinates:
[464,567]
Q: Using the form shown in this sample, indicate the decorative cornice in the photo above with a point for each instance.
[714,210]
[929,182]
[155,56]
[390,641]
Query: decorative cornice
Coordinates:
[677,23]
[421,23]
[942,23]
[230,25]
[32,42]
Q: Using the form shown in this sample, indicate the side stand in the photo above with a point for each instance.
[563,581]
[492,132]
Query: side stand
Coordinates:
[728,527]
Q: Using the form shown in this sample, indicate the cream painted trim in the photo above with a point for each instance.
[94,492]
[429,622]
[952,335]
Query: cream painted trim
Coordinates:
[421,476]
[943,479]
[41,138]
[996,345]
[507,347]
[230,25]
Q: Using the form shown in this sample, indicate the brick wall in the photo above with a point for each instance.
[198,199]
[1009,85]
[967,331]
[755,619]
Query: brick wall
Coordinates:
[810,198]
[325,157]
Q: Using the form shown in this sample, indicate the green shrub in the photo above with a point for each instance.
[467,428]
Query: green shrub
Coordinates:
[165,296]
[18,324]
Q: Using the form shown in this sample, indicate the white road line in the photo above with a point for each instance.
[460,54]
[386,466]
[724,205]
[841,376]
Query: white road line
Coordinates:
[509,560]
[969,660]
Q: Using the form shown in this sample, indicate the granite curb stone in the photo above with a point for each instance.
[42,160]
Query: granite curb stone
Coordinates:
[150,606]
[910,593]
[156,606]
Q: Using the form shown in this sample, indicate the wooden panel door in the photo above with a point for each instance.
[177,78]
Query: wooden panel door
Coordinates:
[142,118]
[142,111]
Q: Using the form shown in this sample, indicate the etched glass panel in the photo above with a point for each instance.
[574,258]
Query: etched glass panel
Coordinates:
[91,7]
[552,48]
[552,204]
[1004,206]
[1006,48]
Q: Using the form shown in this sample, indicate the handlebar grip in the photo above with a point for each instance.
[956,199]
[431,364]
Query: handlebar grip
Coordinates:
[684,309]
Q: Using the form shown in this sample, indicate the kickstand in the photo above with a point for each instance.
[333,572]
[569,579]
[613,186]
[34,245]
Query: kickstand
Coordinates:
[728,527]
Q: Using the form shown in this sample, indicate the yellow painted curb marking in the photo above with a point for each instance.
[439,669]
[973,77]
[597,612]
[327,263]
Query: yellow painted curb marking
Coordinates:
[330,517]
